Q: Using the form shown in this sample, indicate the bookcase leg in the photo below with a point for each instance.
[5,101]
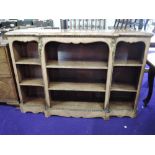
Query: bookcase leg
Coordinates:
[151,76]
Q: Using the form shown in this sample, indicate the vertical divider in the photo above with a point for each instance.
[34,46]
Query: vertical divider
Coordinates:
[44,71]
[15,71]
[147,45]
[112,48]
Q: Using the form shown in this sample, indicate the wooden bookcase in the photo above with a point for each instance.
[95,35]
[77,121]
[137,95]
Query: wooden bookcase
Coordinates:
[29,73]
[79,74]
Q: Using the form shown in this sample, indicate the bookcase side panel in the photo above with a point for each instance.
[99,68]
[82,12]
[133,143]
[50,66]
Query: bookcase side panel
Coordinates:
[147,45]
[17,76]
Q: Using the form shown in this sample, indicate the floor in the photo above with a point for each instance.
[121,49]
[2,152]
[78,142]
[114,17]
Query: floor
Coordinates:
[12,121]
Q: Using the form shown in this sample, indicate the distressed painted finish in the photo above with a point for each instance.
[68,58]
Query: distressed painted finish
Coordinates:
[76,109]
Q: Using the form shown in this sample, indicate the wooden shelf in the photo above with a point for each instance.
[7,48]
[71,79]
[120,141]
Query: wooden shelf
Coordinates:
[32,82]
[34,101]
[127,63]
[97,87]
[114,105]
[28,61]
[77,64]
[121,109]
[35,105]
[78,76]
[72,105]
[123,87]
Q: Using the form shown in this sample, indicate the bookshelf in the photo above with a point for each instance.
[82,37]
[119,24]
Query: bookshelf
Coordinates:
[79,74]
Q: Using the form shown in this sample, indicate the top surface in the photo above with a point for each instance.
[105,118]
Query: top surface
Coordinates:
[58,32]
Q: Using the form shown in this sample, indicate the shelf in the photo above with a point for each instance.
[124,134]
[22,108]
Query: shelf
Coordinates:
[129,76]
[99,87]
[32,82]
[77,64]
[129,54]
[127,63]
[29,74]
[28,61]
[77,75]
[115,105]
[72,105]
[26,52]
[33,95]
[123,87]
[121,109]
[79,96]
[34,101]
[35,105]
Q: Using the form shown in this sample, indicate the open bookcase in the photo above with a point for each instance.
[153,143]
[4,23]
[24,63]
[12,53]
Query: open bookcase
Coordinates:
[127,67]
[79,75]
[28,66]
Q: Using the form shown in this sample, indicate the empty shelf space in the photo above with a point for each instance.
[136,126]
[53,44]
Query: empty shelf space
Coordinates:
[81,96]
[126,78]
[77,64]
[123,87]
[114,105]
[122,100]
[33,95]
[73,105]
[35,105]
[26,52]
[97,51]
[75,86]
[35,101]
[32,82]
[77,75]
[28,74]
[129,54]
[28,61]
[127,63]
